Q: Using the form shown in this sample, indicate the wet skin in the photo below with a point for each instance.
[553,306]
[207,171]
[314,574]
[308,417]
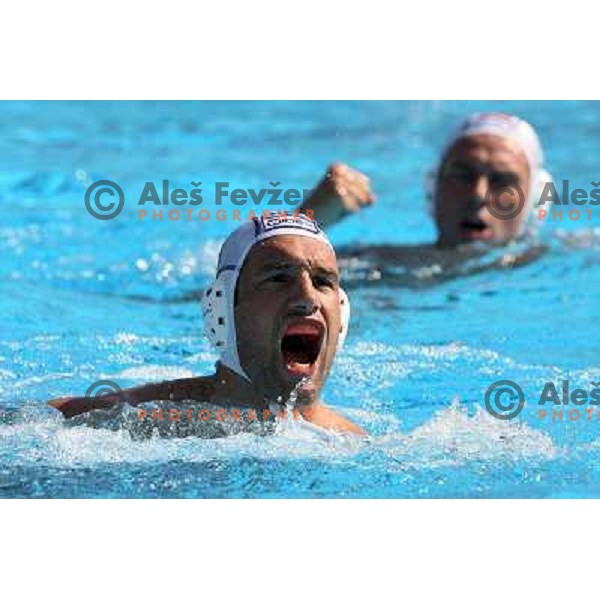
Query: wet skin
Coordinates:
[478,173]
[288,287]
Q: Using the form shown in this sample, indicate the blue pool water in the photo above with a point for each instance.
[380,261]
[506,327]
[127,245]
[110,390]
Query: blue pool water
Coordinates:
[84,300]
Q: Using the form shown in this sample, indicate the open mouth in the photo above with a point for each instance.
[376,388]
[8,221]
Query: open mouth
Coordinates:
[300,347]
[473,228]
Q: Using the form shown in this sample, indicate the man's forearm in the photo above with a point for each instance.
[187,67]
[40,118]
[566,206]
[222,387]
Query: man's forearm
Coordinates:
[327,211]
[183,389]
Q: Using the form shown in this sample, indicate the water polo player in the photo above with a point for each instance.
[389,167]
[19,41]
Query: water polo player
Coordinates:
[277,316]
[490,175]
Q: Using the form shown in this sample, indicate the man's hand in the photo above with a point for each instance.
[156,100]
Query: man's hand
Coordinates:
[71,407]
[341,192]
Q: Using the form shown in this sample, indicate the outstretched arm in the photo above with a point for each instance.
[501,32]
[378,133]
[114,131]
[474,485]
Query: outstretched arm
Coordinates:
[341,192]
[195,388]
[73,406]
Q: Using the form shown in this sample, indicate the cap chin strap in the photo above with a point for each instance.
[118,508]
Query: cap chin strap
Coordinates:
[219,319]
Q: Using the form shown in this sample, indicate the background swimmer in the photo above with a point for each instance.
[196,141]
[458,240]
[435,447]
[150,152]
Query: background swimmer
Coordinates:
[489,151]
[277,315]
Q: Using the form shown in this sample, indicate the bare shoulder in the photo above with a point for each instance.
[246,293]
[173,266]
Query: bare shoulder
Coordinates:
[200,389]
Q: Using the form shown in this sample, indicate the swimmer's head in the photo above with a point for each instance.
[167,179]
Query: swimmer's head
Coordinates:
[276,312]
[490,174]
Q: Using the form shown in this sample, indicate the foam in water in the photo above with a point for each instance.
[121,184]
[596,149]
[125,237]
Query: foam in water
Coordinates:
[451,437]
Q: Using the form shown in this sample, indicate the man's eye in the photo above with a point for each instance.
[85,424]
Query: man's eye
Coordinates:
[323,282]
[278,278]
[498,179]
[460,175]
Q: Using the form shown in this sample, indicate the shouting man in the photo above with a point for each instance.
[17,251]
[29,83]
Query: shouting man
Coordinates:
[277,316]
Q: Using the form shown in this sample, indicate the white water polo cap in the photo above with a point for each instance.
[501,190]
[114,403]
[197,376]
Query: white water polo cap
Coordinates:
[218,300]
[509,127]
[505,126]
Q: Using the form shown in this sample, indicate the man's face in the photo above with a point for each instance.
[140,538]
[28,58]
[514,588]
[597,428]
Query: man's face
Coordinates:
[288,315]
[479,170]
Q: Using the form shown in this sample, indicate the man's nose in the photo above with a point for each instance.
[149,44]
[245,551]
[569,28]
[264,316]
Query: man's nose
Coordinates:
[304,299]
[482,186]
[479,193]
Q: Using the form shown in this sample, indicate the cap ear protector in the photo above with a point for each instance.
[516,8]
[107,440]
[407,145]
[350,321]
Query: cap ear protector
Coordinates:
[218,321]
[344,318]
[537,186]
[214,311]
